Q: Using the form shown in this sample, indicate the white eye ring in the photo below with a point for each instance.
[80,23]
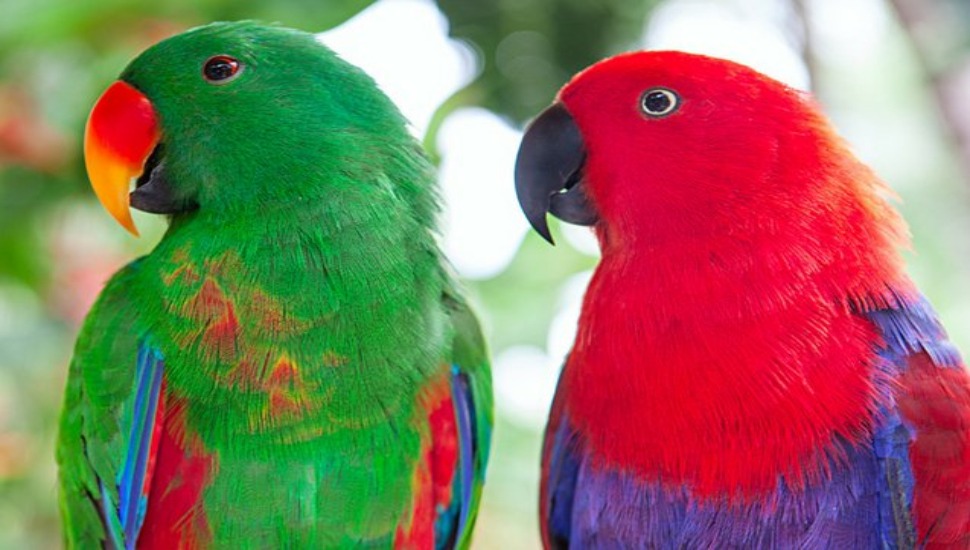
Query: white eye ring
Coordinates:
[659,102]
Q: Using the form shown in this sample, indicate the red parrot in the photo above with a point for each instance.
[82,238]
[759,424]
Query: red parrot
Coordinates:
[752,368]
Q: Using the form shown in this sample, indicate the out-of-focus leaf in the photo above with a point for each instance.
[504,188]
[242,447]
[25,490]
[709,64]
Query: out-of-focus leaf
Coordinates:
[23,194]
[960,9]
[524,298]
[107,23]
[528,49]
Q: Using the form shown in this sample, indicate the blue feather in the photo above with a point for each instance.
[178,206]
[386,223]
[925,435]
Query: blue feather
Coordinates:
[466,438]
[112,524]
[132,500]
[563,470]
[452,522]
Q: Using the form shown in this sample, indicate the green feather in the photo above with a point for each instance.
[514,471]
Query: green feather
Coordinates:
[301,309]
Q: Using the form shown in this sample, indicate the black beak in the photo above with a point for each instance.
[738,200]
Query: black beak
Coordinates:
[548,172]
[153,193]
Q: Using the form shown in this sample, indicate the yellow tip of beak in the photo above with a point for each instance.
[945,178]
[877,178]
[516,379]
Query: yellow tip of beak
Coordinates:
[111,178]
[119,136]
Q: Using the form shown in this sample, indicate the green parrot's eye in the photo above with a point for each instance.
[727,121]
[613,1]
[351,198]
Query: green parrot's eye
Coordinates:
[221,69]
[658,102]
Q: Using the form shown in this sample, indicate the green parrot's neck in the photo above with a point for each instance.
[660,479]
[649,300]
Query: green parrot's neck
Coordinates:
[294,319]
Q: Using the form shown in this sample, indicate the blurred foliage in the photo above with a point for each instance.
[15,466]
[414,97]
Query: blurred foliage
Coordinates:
[947,21]
[536,272]
[57,247]
[939,39]
[105,24]
[528,49]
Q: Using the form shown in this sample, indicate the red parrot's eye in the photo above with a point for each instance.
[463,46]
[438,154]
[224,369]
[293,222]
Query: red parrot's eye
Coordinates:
[658,102]
[220,69]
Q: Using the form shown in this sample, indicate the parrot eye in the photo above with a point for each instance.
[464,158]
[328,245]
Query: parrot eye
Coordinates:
[220,69]
[659,102]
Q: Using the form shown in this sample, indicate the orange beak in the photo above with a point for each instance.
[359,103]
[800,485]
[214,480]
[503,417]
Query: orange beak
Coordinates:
[121,132]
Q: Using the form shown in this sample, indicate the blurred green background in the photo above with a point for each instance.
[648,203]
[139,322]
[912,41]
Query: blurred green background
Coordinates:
[893,74]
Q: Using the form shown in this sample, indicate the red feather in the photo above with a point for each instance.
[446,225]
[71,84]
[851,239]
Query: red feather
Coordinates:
[935,402]
[433,481]
[175,517]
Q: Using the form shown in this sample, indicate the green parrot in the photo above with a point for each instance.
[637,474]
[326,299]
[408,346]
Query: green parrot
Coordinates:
[293,365]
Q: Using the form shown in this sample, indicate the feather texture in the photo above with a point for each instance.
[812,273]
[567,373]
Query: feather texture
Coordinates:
[143,438]
[312,335]
[752,366]
[912,473]
[934,403]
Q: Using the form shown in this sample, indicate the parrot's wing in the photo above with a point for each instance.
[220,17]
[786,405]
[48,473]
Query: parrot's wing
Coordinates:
[560,467]
[471,393]
[926,443]
[109,428]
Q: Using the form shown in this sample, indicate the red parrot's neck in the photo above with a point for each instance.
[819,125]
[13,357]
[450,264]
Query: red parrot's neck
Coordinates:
[724,361]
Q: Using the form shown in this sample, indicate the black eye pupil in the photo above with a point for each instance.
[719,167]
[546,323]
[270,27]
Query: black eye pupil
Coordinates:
[220,68]
[657,102]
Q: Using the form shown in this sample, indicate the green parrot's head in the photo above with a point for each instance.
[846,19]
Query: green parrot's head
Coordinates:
[239,117]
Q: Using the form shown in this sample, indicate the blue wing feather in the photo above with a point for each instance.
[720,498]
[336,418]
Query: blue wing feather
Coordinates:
[912,328]
[561,464]
[132,496]
[452,521]
[464,412]
[563,471]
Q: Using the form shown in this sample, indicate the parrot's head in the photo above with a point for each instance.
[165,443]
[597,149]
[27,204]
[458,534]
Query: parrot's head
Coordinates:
[235,117]
[670,145]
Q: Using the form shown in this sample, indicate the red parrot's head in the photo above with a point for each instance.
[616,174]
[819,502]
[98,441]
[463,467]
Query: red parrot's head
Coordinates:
[666,146]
